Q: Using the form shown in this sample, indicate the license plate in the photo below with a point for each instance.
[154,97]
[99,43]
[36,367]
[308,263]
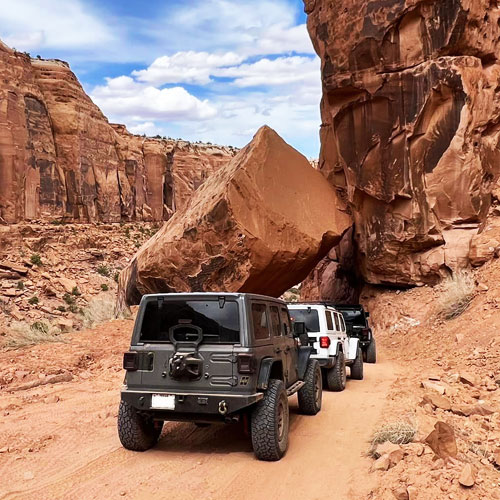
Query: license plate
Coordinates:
[163,401]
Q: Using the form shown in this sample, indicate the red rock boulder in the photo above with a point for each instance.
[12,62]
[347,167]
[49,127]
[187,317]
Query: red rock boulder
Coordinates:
[260,224]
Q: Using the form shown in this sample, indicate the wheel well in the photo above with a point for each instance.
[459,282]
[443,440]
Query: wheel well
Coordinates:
[277,370]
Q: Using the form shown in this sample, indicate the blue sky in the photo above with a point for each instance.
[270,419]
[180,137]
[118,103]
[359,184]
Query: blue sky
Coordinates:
[210,70]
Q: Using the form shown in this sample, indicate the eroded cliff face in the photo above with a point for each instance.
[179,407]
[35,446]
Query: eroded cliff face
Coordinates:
[411,127]
[60,158]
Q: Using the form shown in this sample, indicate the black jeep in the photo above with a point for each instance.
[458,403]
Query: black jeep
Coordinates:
[215,357]
[356,322]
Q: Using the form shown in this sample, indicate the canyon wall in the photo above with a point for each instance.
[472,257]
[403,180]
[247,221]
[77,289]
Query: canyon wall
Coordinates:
[410,129]
[60,158]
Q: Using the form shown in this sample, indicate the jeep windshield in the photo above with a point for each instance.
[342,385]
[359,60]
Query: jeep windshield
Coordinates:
[217,322]
[308,316]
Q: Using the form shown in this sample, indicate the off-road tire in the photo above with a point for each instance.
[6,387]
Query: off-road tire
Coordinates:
[137,432]
[310,395]
[357,366]
[336,377]
[270,433]
[371,352]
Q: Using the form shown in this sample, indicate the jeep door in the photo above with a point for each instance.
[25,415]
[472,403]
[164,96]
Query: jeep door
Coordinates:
[291,348]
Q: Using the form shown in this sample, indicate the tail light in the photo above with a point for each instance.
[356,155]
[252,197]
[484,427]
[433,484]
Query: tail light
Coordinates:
[131,361]
[324,342]
[246,363]
[365,332]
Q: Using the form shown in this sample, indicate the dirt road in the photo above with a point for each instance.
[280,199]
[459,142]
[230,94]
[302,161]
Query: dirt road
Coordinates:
[59,440]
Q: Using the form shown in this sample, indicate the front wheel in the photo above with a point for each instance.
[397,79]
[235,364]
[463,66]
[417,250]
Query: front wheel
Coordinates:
[371,351]
[357,366]
[137,431]
[269,423]
[337,376]
[311,393]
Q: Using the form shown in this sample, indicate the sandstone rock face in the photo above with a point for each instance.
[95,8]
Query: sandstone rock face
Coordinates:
[251,227]
[410,131]
[60,158]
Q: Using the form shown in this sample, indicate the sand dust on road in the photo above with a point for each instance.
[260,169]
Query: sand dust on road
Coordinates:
[63,444]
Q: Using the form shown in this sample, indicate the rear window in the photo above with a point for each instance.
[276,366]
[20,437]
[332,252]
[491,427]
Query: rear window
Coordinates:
[219,325]
[356,318]
[308,316]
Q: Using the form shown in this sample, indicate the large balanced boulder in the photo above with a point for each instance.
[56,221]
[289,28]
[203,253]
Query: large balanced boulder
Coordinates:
[260,224]
[410,129]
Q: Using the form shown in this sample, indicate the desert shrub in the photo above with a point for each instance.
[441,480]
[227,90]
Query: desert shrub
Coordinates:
[20,285]
[61,309]
[99,310]
[69,299]
[36,260]
[22,334]
[103,270]
[73,308]
[457,295]
[75,292]
[104,287]
[33,300]
[116,276]
[394,432]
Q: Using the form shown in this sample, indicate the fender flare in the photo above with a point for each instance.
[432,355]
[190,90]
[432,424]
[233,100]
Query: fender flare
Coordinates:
[266,366]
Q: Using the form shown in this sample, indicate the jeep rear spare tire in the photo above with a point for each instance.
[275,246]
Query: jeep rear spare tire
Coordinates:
[337,376]
[311,394]
[137,431]
[270,422]
[371,351]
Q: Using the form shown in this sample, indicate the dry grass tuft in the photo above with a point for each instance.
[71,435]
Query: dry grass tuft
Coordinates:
[394,432]
[457,295]
[22,334]
[99,310]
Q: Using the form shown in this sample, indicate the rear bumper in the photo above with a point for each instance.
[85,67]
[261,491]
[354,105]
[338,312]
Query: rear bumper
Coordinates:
[192,407]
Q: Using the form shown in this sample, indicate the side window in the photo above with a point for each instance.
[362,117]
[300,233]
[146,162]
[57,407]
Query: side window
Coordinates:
[259,319]
[329,322]
[337,324]
[285,322]
[275,321]
[342,322]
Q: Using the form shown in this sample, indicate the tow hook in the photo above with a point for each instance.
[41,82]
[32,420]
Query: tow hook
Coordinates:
[222,407]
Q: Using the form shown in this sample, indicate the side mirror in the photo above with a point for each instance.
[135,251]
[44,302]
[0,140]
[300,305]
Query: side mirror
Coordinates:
[367,314]
[299,328]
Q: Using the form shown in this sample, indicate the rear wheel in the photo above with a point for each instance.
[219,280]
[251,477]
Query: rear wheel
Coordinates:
[137,431]
[337,376]
[311,394]
[371,351]
[357,366]
[269,423]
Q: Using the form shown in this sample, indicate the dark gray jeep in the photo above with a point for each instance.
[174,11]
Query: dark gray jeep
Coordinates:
[215,357]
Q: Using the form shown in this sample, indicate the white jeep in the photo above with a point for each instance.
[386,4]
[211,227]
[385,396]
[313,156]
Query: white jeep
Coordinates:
[332,347]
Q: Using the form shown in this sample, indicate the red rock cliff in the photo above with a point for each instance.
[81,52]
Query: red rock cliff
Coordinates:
[60,158]
[410,128]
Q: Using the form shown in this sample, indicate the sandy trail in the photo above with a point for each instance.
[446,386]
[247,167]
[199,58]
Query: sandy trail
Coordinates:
[69,449]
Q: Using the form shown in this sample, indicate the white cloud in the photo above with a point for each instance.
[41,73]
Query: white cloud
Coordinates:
[280,71]
[123,97]
[148,128]
[65,24]
[186,67]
